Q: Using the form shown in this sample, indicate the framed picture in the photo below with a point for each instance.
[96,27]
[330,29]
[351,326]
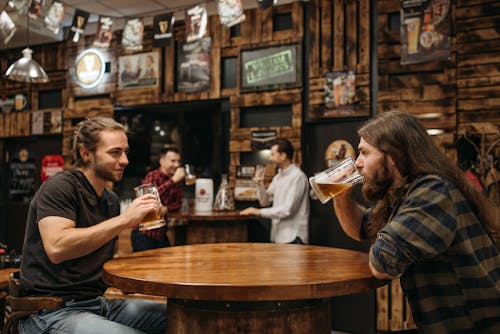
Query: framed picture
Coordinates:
[269,68]
[193,66]
[245,171]
[139,70]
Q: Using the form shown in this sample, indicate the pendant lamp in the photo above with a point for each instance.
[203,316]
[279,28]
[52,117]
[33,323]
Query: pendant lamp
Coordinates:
[26,69]
[264,4]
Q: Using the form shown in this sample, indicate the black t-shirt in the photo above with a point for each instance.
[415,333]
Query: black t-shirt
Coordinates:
[69,195]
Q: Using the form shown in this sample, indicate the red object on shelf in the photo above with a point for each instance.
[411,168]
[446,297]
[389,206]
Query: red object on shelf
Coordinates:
[51,165]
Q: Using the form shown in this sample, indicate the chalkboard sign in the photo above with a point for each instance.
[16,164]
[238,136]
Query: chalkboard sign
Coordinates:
[22,180]
[273,67]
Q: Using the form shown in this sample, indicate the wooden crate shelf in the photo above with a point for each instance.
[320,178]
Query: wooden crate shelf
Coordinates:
[393,310]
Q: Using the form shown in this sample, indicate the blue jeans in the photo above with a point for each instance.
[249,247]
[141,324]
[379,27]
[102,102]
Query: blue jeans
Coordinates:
[100,316]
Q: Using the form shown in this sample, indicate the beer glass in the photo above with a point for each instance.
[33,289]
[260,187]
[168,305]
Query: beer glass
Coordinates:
[334,180]
[260,174]
[190,178]
[153,219]
[413,31]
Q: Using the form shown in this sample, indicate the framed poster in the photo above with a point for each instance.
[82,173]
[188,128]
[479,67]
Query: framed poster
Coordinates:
[22,176]
[193,69]
[270,68]
[425,31]
[139,70]
[340,93]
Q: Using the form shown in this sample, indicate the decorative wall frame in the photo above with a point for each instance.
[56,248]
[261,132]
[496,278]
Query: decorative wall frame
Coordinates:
[271,68]
[139,70]
[89,68]
[193,66]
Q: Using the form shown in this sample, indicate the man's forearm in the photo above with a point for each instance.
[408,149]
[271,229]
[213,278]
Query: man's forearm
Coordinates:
[349,214]
[261,195]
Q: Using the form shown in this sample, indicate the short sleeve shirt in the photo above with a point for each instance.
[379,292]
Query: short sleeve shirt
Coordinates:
[69,195]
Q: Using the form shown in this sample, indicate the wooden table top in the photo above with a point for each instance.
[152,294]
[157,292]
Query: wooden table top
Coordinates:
[242,272]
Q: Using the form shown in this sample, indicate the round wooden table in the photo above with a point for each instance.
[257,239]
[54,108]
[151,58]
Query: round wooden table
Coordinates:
[204,227]
[244,287]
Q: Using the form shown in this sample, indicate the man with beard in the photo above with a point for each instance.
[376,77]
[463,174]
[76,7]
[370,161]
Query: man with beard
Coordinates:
[289,195]
[72,227]
[428,225]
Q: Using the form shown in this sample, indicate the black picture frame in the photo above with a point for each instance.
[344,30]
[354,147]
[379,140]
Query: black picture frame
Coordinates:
[270,68]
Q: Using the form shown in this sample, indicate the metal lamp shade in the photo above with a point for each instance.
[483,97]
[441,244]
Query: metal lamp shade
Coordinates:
[264,4]
[26,69]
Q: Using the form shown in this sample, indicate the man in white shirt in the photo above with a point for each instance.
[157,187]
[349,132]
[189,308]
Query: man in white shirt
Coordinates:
[288,193]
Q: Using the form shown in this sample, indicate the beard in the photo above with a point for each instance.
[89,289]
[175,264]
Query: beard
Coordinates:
[104,173]
[377,187]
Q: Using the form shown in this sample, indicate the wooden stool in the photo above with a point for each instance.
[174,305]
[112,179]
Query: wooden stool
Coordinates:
[20,306]
[4,284]
[393,310]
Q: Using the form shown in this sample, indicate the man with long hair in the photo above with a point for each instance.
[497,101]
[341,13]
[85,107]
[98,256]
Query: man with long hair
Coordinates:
[71,231]
[428,225]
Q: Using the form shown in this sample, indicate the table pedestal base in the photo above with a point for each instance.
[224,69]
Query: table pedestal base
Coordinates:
[211,232]
[286,317]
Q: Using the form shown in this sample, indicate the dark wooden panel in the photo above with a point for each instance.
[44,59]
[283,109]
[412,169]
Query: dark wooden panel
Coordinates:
[426,90]
[340,41]
[478,71]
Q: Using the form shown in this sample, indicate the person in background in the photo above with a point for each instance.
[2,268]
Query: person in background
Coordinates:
[168,178]
[71,231]
[150,71]
[129,76]
[428,225]
[288,193]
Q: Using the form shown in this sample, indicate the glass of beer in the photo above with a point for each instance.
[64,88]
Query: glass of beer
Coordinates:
[153,219]
[190,178]
[413,31]
[334,180]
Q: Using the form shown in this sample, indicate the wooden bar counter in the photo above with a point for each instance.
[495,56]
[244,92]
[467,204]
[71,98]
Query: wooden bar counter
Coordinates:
[244,287]
[205,227]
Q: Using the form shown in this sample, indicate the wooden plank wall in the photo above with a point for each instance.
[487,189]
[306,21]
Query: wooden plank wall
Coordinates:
[478,78]
[18,123]
[340,41]
[454,95]
[426,90]
[257,31]
[478,61]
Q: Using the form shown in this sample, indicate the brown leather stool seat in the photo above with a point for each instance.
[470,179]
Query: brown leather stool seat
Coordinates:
[18,305]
